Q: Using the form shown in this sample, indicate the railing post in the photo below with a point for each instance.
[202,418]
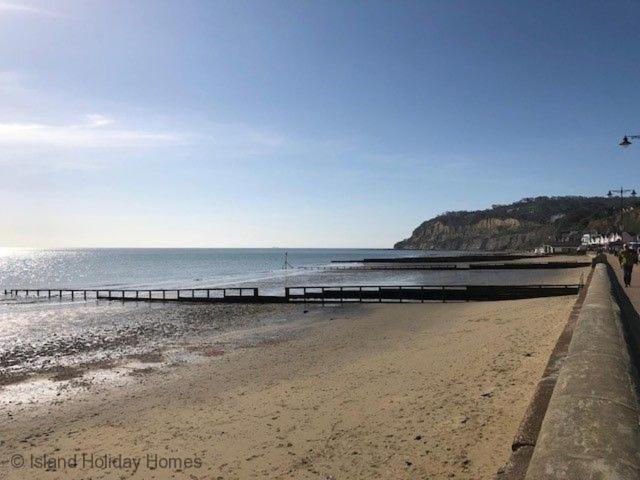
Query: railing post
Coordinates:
[164,294]
[255,292]
[286,293]
[85,294]
[72,295]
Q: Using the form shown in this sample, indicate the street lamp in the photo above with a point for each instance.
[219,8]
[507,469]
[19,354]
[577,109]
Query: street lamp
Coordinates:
[621,192]
[626,142]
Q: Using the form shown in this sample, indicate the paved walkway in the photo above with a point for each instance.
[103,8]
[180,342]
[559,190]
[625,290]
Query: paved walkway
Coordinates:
[629,301]
[633,292]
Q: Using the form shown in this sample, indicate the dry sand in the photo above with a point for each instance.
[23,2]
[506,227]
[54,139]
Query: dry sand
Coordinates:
[359,392]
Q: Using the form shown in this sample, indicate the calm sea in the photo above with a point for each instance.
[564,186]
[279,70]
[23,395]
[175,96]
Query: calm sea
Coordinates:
[218,267]
[38,336]
[165,268]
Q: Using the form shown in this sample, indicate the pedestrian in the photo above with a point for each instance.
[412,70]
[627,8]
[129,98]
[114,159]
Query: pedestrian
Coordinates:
[628,258]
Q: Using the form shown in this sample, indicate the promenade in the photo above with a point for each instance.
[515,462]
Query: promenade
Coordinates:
[590,428]
[633,292]
[629,300]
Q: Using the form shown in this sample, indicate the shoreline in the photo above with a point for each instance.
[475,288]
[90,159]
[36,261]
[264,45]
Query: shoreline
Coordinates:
[356,392]
[54,337]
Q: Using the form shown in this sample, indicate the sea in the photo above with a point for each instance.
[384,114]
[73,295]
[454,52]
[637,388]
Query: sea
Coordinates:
[269,269]
[46,337]
[167,267]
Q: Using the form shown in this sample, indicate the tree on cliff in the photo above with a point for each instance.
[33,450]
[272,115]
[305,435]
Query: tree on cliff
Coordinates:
[524,224]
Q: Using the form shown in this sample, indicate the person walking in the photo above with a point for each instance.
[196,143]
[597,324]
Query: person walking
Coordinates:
[628,258]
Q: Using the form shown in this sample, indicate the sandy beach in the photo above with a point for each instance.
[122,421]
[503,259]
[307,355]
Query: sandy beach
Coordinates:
[318,240]
[374,391]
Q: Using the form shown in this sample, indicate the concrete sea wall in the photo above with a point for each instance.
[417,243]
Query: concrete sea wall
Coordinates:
[591,428]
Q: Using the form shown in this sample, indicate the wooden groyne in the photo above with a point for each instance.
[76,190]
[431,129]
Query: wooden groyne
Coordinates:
[425,293]
[310,294]
[449,259]
[240,294]
[457,267]
[530,266]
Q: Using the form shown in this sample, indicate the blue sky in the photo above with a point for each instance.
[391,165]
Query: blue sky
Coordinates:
[318,124]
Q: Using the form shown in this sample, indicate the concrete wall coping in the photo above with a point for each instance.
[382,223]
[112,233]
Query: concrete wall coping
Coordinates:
[591,429]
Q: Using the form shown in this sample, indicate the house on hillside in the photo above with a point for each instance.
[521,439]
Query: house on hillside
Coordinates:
[571,242]
[558,247]
[607,240]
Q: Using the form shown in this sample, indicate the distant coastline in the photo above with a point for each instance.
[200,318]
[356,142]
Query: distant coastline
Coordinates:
[523,225]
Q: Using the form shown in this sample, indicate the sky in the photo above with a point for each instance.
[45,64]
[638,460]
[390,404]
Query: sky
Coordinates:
[303,123]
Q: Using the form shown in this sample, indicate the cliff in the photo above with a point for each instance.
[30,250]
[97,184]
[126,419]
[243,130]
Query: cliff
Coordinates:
[523,225]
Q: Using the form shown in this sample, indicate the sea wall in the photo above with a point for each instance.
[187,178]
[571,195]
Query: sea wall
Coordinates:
[591,429]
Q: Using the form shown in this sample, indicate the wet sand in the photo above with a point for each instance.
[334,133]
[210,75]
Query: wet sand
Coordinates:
[63,338]
[358,392]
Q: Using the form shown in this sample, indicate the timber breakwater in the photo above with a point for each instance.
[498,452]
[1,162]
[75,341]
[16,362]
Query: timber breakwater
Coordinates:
[499,288]
[310,294]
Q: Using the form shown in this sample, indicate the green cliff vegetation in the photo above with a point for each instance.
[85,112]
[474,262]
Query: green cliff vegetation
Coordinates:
[525,224]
